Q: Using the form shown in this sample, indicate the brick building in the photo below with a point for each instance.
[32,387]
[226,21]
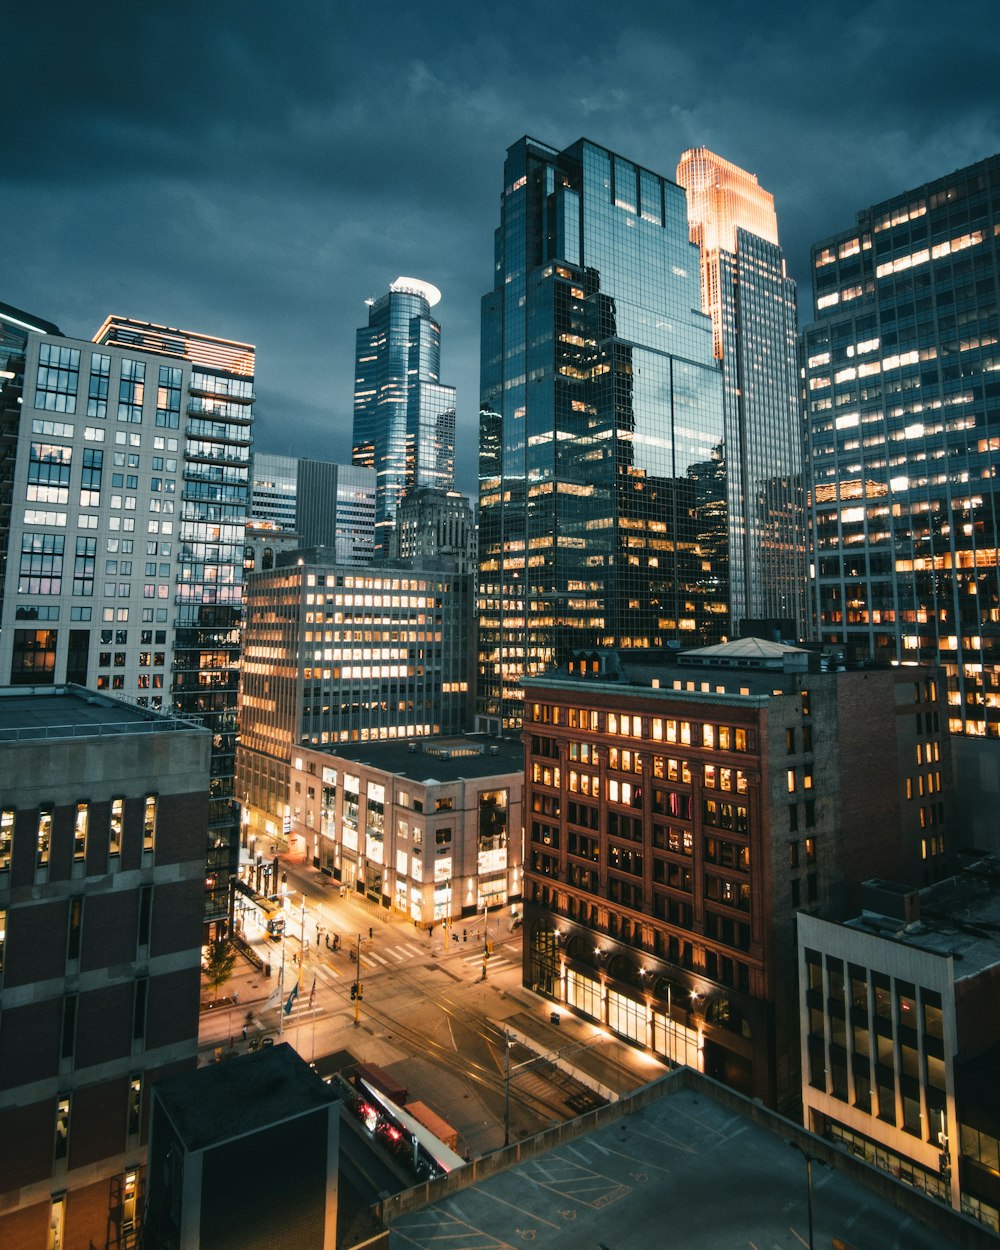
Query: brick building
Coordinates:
[103,819]
[680,811]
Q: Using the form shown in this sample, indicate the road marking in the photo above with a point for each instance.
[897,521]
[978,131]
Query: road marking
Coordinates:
[799,1237]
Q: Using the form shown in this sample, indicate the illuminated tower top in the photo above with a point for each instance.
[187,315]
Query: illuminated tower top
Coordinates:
[723,198]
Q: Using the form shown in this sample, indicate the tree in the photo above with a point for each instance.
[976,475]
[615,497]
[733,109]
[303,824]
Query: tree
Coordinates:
[219,964]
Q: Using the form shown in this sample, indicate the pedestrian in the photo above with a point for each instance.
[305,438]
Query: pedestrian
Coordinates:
[370,933]
[430,931]
[244,1032]
[317,937]
[327,941]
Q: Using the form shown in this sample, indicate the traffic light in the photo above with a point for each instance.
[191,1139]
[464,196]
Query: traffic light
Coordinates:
[354,990]
[489,948]
[361,990]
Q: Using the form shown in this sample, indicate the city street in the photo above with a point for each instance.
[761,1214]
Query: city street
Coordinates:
[426,1011]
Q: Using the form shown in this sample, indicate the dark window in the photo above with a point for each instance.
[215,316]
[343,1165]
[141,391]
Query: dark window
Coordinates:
[139,1008]
[68,1026]
[77,656]
[145,912]
[74,927]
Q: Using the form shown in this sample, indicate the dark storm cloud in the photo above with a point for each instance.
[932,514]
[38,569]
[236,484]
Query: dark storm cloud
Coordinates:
[256,171]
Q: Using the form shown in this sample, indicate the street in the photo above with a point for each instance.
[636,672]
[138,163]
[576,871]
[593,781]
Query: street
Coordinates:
[425,1009]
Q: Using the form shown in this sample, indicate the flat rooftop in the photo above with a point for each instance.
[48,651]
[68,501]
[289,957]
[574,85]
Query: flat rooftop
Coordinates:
[436,760]
[241,1096]
[959,917]
[686,1168]
[73,712]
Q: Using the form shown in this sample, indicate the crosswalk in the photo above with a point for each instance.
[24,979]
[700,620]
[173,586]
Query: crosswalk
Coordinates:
[327,976]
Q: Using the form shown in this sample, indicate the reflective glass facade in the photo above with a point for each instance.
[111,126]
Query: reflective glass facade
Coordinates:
[904,436]
[404,417]
[751,301]
[603,460]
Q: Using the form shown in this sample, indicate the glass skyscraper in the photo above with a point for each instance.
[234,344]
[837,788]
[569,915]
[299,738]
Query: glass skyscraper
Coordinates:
[404,417]
[751,301]
[602,457]
[902,385]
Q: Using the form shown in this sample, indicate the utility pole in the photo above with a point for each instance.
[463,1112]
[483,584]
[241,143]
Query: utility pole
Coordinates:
[486,936]
[281,986]
[302,961]
[357,996]
[506,1087]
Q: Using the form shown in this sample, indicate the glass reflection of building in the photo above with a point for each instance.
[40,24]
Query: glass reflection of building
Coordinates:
[751,301]
[404,417]
[902,415]
[603,463]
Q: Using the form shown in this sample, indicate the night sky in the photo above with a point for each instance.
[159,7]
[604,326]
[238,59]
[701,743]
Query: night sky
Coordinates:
[255,171]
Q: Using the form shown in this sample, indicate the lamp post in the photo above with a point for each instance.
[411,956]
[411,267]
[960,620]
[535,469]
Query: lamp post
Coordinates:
[357,996]
[281,986]
[810,1160]
[506,1087]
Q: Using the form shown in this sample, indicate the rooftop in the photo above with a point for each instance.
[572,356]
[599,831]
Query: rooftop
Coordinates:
[746,668]
[680,1162]
[244,1095]
[959,917]
[436,760]
[32,712]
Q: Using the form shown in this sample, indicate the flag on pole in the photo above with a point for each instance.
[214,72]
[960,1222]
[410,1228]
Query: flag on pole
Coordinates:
[293,995]
[312,992]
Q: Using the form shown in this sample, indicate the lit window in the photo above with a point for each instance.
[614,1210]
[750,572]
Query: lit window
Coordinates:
[44,835]
[6,837]
[149,823]
[62,1128]
[791,781]
[80,831]
[117,816]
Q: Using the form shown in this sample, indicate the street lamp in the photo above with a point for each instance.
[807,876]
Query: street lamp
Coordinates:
[506,1088]
[810,1160]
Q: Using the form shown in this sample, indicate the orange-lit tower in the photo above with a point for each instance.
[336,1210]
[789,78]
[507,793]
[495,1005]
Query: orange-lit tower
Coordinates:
[751,300]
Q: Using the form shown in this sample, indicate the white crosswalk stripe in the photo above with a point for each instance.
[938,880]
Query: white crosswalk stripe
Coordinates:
[494,961]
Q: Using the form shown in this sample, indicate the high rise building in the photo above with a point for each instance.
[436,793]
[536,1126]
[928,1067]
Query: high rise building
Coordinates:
[404,416]
[129,493]
[103,811]
[602,457]
[273,483]
[904,507]
[15,327]
[323,503]
[340,654]
[433,525]
[751,300]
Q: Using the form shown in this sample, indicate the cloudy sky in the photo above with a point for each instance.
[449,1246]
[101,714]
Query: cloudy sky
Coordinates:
[255,171]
